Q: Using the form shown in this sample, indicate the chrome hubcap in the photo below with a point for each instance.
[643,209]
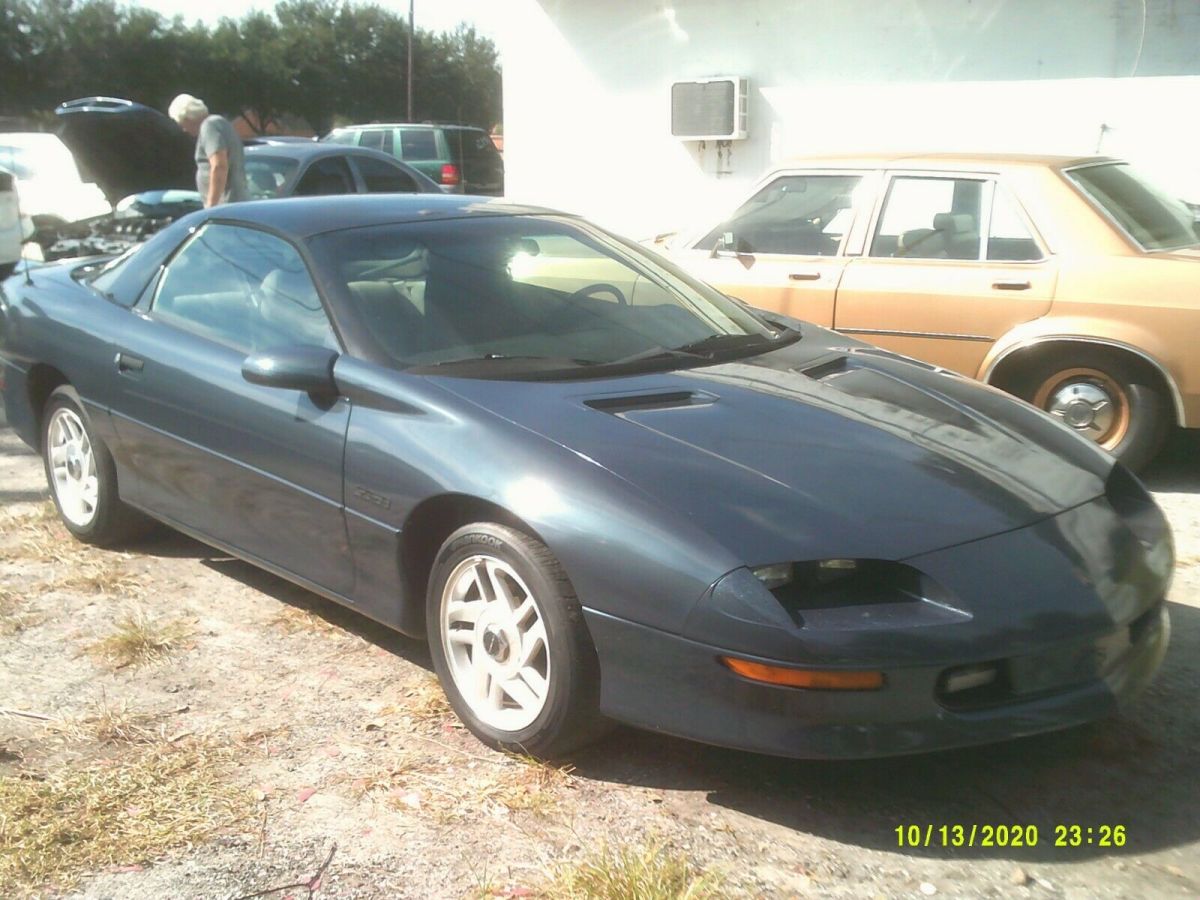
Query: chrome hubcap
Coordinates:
[495,643]
[72,468]
[1084,406]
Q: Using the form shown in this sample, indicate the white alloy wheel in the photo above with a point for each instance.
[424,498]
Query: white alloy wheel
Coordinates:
[493,635]
[72,467]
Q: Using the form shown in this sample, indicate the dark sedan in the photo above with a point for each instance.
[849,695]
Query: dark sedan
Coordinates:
[309,169]
[604,490]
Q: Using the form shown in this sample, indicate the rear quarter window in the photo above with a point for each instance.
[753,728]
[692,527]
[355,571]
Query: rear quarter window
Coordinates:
[418,144]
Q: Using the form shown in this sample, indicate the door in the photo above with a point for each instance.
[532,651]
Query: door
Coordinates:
[257,468]
[783,250]
[952,265]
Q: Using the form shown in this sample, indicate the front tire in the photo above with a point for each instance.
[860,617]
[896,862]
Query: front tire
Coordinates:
[509,643]
[81,474]
[1111,400]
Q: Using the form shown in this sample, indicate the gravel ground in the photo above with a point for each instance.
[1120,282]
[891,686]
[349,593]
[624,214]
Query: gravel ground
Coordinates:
[342,740]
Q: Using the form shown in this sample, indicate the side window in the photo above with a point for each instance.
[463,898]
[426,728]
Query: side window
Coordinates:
[802,215]
[1008,237]
[343,137]
[418,143]
[243,288]
[381,177]
[377,139]
[326,176]
[930,218]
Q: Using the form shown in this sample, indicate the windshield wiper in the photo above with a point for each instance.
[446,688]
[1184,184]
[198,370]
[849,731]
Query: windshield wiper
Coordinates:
[655,353]
[493,357]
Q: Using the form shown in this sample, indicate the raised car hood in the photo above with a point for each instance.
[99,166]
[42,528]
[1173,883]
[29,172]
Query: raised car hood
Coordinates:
[126,148]
[816,451]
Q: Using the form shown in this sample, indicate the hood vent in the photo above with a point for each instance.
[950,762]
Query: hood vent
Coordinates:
[824,367]
[656,400]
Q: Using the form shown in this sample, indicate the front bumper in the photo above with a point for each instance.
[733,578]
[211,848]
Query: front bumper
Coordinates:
[666,683]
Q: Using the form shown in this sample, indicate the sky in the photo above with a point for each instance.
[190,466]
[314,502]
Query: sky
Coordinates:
[434,15]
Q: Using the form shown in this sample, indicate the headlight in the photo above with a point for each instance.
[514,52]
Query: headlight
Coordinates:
[838,583]
[774,576]
[780,574]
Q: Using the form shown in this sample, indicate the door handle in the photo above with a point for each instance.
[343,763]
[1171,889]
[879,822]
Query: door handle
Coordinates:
[804,276]
[129,365]
[1011,285]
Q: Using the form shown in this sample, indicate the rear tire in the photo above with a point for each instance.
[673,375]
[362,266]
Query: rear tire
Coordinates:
[509,643]
[81,475]
[1110,399]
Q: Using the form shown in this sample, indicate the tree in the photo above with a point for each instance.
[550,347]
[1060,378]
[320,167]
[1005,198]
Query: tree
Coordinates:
[319,59]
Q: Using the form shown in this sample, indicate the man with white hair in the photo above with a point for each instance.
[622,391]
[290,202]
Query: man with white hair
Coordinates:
[220,165]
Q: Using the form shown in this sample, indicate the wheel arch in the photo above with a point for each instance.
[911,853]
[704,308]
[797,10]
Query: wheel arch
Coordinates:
[40,382]
[1004,364]
[425,530]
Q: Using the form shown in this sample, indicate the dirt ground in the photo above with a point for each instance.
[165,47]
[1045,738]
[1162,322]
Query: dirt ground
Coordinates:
[324,729]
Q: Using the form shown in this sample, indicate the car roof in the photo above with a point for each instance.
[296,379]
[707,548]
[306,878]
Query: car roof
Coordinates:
[304,217]
[409,125]
[913,160]
[305,150]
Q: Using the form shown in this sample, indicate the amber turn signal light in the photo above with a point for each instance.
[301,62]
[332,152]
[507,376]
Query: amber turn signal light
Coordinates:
[816,679]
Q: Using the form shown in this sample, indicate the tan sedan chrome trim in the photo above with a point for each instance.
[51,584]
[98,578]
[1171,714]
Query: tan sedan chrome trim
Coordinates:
[1176,396]
[943,335]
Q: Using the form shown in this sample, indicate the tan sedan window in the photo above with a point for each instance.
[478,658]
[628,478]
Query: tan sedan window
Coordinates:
[797,215]
[1008,237]
[930,218]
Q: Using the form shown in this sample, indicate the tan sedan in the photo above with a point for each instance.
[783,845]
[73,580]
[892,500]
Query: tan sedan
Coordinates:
[1072,283]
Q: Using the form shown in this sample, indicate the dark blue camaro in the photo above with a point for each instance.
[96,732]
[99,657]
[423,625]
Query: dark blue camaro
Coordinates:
[601,488]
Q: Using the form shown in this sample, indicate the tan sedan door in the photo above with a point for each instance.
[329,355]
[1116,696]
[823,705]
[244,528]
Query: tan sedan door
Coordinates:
[782,249]
[952,264]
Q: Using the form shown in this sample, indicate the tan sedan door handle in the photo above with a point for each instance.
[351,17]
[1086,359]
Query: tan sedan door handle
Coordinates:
[805,276]
[1011,285]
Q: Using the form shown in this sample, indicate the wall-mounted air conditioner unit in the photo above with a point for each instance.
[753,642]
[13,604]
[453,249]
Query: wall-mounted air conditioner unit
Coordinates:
[710,109]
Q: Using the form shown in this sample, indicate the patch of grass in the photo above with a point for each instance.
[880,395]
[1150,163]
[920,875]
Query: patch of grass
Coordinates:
[112,724]
[530,784]
[385,776]
[627,872]
[425,701]
[103,577]
[56,826]
[139,640]
[14,617]
[293,619]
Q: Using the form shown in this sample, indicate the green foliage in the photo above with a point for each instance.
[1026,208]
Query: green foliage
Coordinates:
[322,60]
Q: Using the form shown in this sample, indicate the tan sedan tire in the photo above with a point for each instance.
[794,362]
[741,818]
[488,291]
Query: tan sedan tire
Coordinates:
[1104,397]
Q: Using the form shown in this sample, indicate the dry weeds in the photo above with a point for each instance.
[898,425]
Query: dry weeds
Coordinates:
[107,578]
[425,701]
[652,871]
[294,619]
[112,723]
[58,825]
[139,640]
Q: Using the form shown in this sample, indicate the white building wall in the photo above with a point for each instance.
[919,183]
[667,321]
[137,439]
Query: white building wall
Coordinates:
[586,90]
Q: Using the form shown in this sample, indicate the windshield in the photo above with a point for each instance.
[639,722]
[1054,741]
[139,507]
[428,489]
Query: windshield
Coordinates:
[528,292]
[1152,217]
[266,175]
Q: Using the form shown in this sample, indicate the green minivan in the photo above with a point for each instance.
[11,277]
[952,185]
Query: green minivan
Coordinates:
[461,158]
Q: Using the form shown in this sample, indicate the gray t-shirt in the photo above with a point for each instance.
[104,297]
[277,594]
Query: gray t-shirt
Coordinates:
[217,134]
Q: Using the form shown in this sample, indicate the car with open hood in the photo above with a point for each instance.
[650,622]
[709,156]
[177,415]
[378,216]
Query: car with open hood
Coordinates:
[602,489]
[143,163]
[1071,282]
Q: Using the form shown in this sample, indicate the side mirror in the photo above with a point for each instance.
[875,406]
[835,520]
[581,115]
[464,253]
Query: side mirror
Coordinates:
[299,367]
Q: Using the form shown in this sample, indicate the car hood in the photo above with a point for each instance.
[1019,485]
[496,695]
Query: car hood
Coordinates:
[126,148]
[821,449]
